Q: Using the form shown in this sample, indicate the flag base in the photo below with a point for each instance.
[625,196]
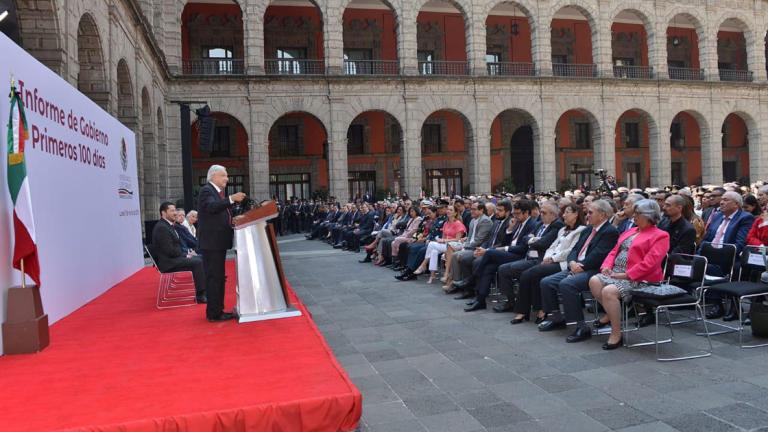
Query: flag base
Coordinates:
[25,330]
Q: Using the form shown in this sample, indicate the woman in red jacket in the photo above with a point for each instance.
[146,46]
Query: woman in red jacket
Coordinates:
[635,259]
[758,234]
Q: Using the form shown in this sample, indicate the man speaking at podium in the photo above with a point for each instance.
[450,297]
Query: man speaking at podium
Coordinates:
[214,235]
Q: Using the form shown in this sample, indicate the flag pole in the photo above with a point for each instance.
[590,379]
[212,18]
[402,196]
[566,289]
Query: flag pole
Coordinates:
[23,275]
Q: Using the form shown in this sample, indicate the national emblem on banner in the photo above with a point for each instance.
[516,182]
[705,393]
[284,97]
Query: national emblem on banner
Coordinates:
[25,250]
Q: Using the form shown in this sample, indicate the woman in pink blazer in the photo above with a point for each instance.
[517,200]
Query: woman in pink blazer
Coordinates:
[636,259]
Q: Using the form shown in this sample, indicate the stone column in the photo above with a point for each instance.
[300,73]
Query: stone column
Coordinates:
[411,170]
[476,42]
[173,161]
[172,24]
[480,148]
[603,48]
[659,148]
[258,148]
[544,160]
[338,175]
[406,41]
[657,50]
[708,52]
[758,168]
[756,59]
[253,42]
[604,141]
[711,151]
[333,36]
[541,44]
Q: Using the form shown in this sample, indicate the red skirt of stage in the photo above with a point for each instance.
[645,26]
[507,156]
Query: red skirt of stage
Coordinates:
[120,364]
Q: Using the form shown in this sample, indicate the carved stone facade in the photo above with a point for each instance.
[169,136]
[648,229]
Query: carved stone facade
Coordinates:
[129,59]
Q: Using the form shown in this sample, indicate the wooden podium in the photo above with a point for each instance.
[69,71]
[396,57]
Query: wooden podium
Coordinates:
[260,291]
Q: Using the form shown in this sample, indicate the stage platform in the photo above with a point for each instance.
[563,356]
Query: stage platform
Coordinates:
[118,363]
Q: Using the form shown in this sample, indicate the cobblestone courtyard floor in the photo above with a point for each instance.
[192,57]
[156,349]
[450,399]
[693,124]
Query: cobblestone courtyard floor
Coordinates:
[422,364]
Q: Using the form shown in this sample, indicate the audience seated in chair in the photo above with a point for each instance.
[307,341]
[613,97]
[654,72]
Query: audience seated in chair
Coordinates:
[167,250]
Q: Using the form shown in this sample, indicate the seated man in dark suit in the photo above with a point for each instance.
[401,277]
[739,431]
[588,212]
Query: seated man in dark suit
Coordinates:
[167,250]
[365,227]
[491,259]
[730,225]
[543,236]
[584,261]
[188,241]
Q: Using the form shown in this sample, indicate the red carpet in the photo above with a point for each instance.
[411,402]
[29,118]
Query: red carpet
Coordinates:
[120,364]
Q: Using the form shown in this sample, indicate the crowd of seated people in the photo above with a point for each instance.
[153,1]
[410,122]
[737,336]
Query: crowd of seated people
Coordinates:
[544,251]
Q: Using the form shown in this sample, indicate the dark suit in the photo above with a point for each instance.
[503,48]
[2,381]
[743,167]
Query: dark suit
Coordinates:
[510,272]
[570,285]
[735,233]
[166,250]
[466,259]
[367,223]
[214,235]
[493,258]
[188,241]
[682,235]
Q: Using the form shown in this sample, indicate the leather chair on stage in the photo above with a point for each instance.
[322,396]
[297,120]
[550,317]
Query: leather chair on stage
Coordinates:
[176,289]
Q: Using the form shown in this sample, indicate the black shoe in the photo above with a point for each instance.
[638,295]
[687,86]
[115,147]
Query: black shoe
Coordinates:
[646,320]
[539,320]
[609,346]
[747,322]
[733,315]
[716,312]
[201,299]
[475,306]
[461,284]
[409,277]
[549,325]
[598,324]
[367,259]
[224,316]
[582,333]
[504,307]
[453,290]
[520,320]
[465,295]
[337,246]
[401,276]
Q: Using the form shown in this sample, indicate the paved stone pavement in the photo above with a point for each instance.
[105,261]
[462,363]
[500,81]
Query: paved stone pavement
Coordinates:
[422,364]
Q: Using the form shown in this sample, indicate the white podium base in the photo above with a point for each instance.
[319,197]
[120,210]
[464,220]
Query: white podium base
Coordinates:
[253,317]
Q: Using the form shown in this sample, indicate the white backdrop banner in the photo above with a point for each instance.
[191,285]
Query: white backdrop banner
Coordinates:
[81,167]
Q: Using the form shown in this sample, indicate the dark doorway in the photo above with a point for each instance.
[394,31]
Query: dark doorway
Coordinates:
[521,157]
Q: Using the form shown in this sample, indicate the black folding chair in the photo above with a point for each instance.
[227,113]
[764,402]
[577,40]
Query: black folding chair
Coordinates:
[683,268]
[743,291]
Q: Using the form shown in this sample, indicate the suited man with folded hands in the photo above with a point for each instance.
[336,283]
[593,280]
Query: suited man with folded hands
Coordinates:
[215,236]
[169,253]
[584,261]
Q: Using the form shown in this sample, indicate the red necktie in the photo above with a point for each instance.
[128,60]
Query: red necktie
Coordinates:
[229,212]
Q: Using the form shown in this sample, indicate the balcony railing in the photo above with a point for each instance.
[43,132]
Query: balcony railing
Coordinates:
[294,67]
[633,72]
[371,67]
[445,68]
[511,69]
[574,70]
[686,74]
[213,67]
[735,75]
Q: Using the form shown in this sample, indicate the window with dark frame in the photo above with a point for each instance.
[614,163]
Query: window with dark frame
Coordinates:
[425,58]
[361,182]
[677,174]
[285,186]
[288,141]
[235,184]
[431,139]
[221,142]
[632,135]
[291,60]
[583,135]
[223,55]
[446,181]
[356,139]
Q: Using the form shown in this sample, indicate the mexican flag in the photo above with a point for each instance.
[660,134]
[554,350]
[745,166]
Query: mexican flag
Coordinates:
[23,224]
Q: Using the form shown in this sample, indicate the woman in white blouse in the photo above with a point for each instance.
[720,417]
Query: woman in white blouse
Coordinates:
[555,260]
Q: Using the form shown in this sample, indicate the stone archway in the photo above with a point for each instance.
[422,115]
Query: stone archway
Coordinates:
[40,32]
[91,78]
